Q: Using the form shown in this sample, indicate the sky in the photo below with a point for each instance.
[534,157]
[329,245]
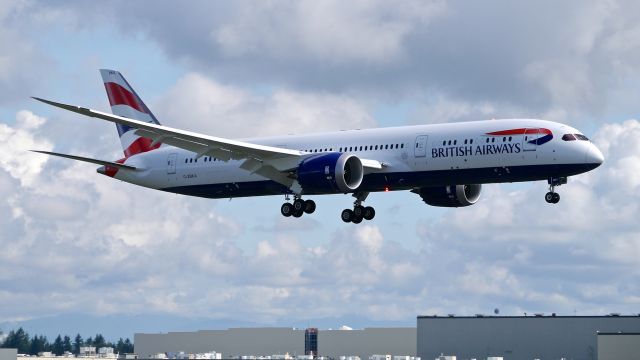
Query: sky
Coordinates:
[76,245]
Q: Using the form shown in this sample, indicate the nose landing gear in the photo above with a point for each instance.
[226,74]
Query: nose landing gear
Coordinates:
[359,212]
[552,197]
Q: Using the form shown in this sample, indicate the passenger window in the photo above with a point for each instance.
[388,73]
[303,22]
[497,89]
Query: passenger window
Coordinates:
[487,140]
[455,142]
[509,138]
[471,141]
[402,146]
[568,137]
[504,139]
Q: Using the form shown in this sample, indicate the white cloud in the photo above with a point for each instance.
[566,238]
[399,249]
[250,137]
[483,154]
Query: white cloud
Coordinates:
[199,103]
[15,143]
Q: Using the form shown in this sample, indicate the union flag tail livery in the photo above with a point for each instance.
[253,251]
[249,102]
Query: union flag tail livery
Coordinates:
[445,164]
[125,102]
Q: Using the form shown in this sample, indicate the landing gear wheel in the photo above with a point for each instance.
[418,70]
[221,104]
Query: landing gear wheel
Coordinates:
[309,206]
[347,215]
[548,197]
[556,198]
[298,205]
[357,220]
[286,209]
[369,213]
[358,211]
[297,213]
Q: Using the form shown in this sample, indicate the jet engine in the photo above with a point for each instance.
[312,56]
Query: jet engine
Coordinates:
[330,173]
[451,195]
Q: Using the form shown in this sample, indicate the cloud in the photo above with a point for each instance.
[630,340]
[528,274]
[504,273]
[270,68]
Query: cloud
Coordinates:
[14,143]
[501,57]
[202,104]
[111,248]
[76,241]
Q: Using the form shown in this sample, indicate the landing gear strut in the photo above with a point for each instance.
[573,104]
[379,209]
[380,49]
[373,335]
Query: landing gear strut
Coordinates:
[552,197]
[298,207]
[359,212]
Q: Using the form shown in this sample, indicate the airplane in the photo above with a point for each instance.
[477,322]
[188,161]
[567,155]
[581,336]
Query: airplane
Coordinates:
[445,164]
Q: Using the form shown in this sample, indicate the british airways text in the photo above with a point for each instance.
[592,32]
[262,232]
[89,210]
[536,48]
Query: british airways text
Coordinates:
[487,149]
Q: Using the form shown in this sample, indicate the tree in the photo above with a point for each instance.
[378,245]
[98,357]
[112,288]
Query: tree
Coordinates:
[39,344]
[128,346]
[77,343]
[124,346]
[88,341]
[99,341]
[58,347]
[66,344]
[18,339]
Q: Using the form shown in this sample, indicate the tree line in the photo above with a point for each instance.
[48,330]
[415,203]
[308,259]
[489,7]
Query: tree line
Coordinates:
[20,339]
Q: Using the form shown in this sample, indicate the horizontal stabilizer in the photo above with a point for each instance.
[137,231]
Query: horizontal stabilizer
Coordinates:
[89,160]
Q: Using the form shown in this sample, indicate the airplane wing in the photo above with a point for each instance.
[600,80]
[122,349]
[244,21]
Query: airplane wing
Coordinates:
[89,160]
[271,162]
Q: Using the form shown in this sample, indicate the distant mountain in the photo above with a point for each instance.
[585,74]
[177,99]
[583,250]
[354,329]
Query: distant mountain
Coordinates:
[113,327]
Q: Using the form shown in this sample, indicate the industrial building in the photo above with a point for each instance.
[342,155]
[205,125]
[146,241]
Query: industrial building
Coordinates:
[528,337]
[269,341]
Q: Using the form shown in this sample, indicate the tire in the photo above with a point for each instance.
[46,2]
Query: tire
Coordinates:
[298,205]
[346,215]
[358,211]
[297,213]
[286,209]
[556,198]
[548,197]
[357,220]
[309,206]
[369,213]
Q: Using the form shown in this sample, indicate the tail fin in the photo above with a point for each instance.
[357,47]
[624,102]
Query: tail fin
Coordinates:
[125,102]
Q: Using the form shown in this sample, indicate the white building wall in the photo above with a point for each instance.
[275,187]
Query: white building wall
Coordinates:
[8,354]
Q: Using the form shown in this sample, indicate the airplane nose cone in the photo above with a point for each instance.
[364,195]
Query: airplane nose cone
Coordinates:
[594,156]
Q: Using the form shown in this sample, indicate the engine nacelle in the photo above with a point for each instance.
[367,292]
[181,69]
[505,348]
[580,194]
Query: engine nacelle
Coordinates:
[451,195]
[330,173]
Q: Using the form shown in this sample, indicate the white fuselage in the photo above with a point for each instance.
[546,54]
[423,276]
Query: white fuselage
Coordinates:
[413,157]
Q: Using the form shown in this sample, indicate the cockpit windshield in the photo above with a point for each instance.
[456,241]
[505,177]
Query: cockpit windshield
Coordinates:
[572,137]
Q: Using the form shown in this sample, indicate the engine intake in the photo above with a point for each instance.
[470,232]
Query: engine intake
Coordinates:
[451,195]
[332,172]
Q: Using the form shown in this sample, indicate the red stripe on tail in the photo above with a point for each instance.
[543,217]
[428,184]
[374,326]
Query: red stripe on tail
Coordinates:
[140,145]
[121,96]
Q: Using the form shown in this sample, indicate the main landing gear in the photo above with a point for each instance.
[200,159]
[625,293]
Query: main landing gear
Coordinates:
[298,207]
[552,197]
[359,212]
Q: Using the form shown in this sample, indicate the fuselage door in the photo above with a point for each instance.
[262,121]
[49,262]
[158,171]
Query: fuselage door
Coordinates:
[420,147]
[171,163]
